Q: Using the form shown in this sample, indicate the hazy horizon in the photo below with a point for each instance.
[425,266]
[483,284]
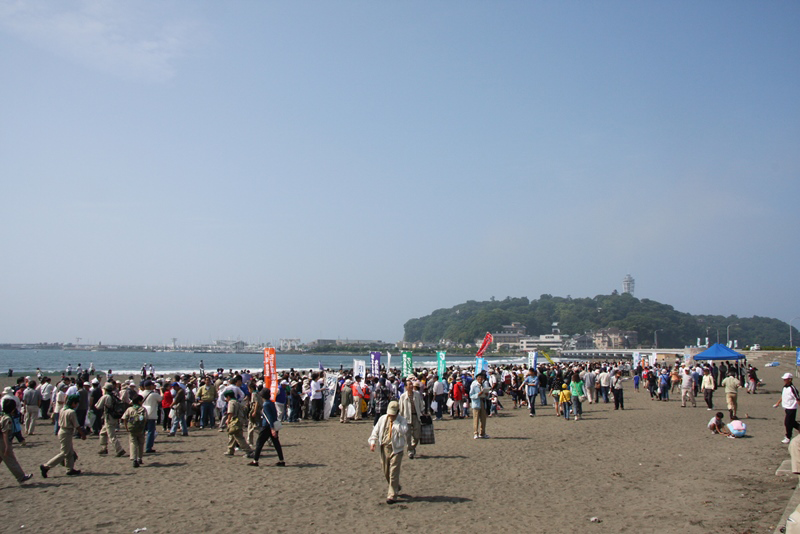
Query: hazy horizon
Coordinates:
[309,170]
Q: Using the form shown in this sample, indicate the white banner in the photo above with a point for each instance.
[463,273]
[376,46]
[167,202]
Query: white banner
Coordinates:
[532,357]
[652,359]
[360,368]
[637,359]
[388,360]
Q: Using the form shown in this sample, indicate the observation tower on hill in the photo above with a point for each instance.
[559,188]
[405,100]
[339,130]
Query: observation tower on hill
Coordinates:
[628,284]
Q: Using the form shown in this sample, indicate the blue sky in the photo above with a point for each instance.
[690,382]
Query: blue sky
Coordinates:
[260,170]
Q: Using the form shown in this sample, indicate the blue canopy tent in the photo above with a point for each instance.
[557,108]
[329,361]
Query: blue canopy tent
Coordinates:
[718,351]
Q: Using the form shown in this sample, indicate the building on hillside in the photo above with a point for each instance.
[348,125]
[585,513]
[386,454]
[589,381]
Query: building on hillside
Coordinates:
[628,284]
[579,342]
[509,337]
[614,338]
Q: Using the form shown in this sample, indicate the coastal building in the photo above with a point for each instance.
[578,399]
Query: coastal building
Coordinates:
[509,337]
[614,338]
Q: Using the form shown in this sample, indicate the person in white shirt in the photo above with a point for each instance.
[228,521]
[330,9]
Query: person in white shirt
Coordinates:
[151,403]
[789,398]
[46,389]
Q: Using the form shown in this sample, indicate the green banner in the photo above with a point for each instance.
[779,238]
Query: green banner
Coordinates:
[408,365]
[441,363]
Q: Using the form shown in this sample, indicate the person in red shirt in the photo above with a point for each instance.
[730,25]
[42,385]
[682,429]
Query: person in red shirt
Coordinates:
[457,394]
[166,402]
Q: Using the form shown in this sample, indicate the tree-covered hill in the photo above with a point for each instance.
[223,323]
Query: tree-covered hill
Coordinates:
[464,323]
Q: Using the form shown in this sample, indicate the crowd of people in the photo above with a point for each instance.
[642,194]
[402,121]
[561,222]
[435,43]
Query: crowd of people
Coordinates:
[252,414]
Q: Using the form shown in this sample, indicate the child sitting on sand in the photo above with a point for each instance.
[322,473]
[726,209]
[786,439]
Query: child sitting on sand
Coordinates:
[716,426]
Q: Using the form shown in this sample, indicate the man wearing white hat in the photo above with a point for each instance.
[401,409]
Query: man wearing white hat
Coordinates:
[789,401]
[389,433]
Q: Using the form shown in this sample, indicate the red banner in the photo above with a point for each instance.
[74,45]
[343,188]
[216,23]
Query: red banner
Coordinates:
[486,342]
[270,372]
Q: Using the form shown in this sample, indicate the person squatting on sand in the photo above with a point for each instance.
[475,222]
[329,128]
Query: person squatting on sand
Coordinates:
[389,433]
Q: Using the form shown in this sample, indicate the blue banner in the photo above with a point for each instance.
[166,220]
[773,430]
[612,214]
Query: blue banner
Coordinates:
[375,363]
[798,356]
[481,364]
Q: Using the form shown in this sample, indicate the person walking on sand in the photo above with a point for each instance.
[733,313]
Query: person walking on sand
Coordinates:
[178,410]
[135,418]
[235,420]
[789,401]
[531,388]
[708,386]
[68,426]
[389,433]
[346,399]
[731,383]
[411,406]
[151,401]
[6,436]
[687,389]
[110,423]
[616,389]
[269,429]
[479,396]
[32,400]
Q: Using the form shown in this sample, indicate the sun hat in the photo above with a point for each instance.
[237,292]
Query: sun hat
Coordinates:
[393,408]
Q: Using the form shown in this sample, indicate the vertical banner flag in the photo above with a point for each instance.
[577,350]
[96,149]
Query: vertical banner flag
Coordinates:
[532,357]
[487,340]
[637,359]
[270,372]
[549,359]
[798,357]
[652,359]
[441,363]
[329,393]
[706,342]
[408,365]
[375,363]
[359,368]
[481,364]
[388,360]
[698,341]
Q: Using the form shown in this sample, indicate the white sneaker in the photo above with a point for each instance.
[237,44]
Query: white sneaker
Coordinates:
[785,440]
[475,436]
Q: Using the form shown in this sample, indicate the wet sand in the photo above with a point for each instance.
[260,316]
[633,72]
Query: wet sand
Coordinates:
[650,468]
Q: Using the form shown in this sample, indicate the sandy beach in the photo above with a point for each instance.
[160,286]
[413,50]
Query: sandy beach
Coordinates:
[650,468]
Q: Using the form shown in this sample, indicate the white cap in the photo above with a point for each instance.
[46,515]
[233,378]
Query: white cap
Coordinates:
[786,375]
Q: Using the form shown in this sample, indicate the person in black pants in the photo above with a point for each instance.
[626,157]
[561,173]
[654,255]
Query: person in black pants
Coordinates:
[616,389]
[269,420]
[789,401]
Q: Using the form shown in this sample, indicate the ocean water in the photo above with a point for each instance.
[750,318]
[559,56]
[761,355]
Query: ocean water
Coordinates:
[25,362]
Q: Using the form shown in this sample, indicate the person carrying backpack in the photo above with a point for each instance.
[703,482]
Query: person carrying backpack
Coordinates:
[112,409]
[237,417]
[135,419]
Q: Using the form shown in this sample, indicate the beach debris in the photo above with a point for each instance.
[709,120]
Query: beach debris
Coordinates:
[140,530]
[595,519]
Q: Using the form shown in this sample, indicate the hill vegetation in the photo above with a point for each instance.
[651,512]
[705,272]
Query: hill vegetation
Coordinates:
[467,322]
